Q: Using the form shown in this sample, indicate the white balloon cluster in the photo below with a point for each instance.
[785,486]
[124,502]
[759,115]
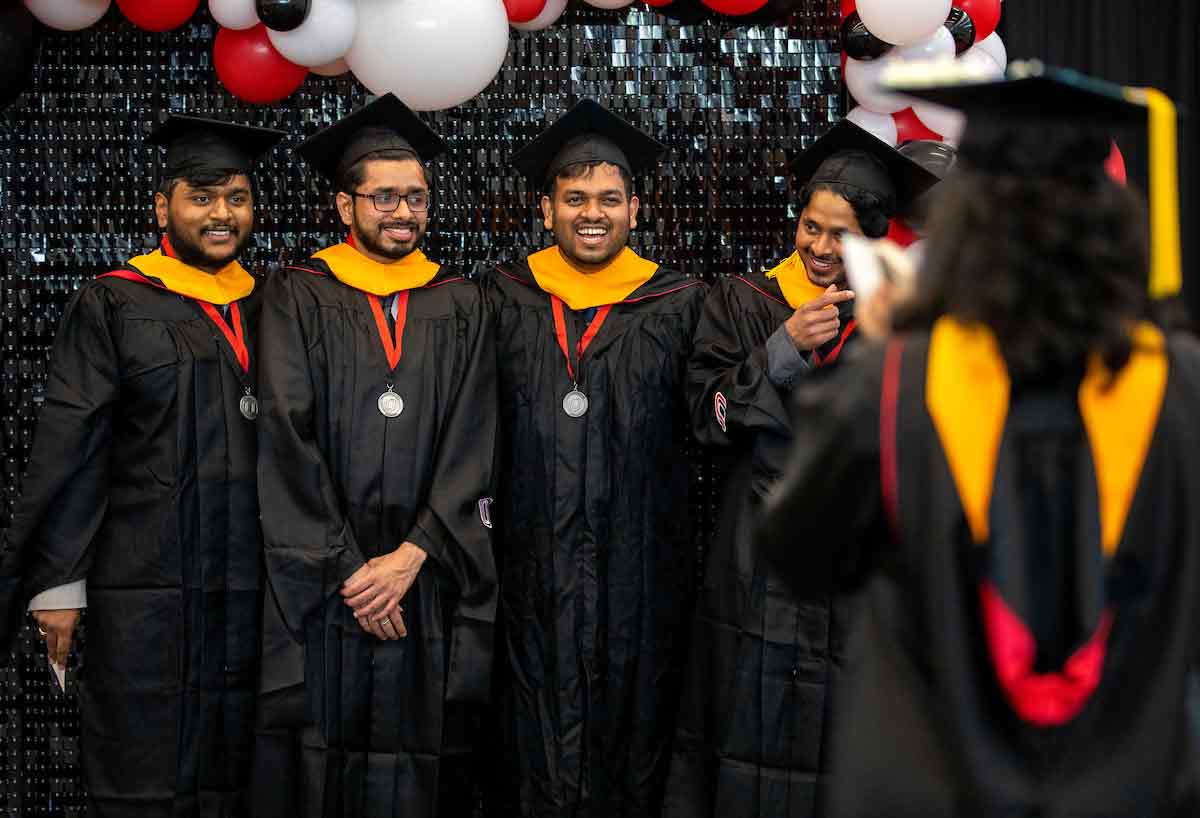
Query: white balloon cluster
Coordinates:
[917,29]
[433,54]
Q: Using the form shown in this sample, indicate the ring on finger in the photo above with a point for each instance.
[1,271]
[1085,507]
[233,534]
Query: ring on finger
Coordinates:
[42,632]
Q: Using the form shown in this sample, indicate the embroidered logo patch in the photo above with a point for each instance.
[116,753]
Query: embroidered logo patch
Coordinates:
[485,512]
[720,408]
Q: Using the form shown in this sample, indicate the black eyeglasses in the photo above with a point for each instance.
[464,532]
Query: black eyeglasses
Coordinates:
[388,201]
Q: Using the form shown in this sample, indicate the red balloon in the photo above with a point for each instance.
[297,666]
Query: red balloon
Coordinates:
[901,233]
[909,128]
[158,15]
[735,7]
[849,7]
[250,67]
[984,13]
[522,11]
[1114,165]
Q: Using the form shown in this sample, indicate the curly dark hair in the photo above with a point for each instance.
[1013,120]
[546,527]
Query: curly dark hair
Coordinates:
[872,212]
[1044,249]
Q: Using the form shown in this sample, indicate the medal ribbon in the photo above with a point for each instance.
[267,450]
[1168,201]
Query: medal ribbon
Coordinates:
[560,330]
[235,335]
[391,346]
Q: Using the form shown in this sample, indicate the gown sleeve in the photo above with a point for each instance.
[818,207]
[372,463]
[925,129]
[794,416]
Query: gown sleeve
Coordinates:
[64,496]
[309,546]
[729,390]
[452,527]
[827,510]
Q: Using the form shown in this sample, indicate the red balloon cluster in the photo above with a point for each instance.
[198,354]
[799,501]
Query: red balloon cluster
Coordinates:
[250,67]
[522,11]
[158,15]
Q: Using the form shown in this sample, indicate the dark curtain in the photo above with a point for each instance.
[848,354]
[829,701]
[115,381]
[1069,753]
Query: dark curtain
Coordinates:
[1133,42]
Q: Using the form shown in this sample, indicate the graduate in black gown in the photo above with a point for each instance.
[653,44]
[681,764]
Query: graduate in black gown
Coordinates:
[750,735]
[139,501]
[598,563]
[1016,471]
[376,446]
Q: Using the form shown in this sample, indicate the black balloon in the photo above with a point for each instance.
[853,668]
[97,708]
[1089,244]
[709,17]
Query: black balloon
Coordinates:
[18,51]
[936,157]
[686,11]
[860,44]
[282,15]
[962,27]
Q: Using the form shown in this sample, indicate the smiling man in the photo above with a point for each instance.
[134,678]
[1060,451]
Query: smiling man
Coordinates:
[749,742]
[377,440]
[140,504]
[591,521]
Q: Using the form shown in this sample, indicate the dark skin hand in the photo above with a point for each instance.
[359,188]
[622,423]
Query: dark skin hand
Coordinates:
[816,323]
[57,629]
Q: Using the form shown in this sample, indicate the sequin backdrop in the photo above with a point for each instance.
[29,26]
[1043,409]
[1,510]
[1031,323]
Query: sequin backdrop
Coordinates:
[733,104]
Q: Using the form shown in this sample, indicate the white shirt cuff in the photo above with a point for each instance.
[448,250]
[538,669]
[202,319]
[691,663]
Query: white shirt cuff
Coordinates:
[64,597]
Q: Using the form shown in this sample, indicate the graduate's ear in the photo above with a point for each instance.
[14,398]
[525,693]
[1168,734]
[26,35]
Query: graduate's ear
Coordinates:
[635,205]
[161,210]
[345,207]
[547,212]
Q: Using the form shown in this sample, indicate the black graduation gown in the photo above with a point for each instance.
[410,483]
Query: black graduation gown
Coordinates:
[756,703]
[351,725]
[925,729]
[142,479]
[597,558]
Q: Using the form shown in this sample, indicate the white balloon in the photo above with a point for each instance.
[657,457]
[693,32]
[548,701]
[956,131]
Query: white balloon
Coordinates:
[981,63]
[881,126]
[68,15]
[901,22]
[993,46]
[862,80]
[942,120]
[325,35]
[549,16]
[609,4]
[333,69]
[233,14]
[938,46]
[433,54]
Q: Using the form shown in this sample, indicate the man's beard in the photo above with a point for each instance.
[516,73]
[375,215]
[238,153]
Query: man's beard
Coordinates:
[373,241]
[193,255]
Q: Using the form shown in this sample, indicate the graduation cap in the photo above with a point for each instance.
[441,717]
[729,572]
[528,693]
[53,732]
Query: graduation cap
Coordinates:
[383,124]
[587,133]
[1034,100]
[199,146]
[848,155]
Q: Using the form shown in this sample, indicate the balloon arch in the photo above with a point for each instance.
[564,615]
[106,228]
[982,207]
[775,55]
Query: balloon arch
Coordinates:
[264,49]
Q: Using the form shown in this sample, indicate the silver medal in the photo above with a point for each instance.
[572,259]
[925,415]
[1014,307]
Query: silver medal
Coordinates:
[575,404]
[390,404]
[249,406]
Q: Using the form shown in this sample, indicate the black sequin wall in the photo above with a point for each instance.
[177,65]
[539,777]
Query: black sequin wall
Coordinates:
[733,104]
